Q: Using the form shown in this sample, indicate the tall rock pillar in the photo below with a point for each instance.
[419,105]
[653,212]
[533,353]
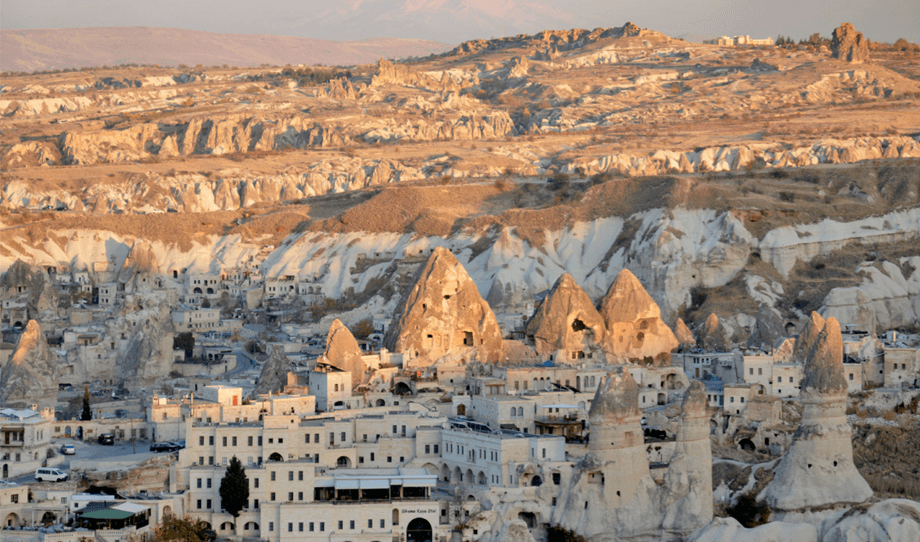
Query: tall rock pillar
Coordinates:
[818,470]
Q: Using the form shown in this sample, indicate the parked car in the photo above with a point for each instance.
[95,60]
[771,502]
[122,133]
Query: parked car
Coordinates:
[180,444]
[48,474]
[161,447]
[106,439]
[68,449]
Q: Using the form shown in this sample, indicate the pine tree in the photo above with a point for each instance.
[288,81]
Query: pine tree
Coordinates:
[87,412]
[234,488]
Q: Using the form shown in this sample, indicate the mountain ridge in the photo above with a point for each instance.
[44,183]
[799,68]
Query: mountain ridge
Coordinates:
[45,49]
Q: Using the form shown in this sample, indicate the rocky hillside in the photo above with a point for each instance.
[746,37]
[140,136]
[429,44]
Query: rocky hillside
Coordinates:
[725,179]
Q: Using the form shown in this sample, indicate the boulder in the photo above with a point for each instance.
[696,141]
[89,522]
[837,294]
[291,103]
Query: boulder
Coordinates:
[849,45]
[444,314]
[566,320]
[713,336]
[768,328]
[32,373]
[343,352]
[635,330]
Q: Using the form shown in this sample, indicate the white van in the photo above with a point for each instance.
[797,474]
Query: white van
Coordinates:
[47,474]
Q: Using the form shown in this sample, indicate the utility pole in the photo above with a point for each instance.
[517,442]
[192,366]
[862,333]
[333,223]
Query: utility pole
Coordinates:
[133,448]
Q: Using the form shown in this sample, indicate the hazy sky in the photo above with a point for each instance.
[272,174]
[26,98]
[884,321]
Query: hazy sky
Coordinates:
[453,21]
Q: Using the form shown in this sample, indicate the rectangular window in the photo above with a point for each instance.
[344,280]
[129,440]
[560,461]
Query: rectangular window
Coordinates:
[300,475]
[199,483]
[290,527]
[360,459]
[249,440]
[290,476]
[209,483]
[199,504]
[234,441]
[211,460]
[394,429]
[370,524]
[341,524]
[259,441]
[211,441]
[351,524]
[290,496]
[272,476]
[315,438]
[224,442]
[322,526]
[201,441]
[209,504]
[389,459]
[372,456]
[300,495]
[436,448]
[779,379]
[272,496]
[342,436]
[271,526]
[382,523]
[300,526]
[256,504]
[760,370]
[427,448]
[751,371]
[310,527]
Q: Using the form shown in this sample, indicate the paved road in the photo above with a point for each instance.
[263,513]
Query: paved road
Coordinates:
[92,450]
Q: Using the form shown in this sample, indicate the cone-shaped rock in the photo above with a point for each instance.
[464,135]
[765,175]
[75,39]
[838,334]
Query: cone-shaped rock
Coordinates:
[444,314]
[683,333]
[32,373]
[342,351]
[274,373]
[768,329]
[566,320]
[818,471]
[824,372]
[713,336]
[617,398]
[635,330]
[807,338]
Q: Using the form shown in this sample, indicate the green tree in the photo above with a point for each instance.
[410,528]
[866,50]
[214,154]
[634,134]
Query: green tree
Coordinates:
[234,489]
[87,412]
[182,530]
[185,341]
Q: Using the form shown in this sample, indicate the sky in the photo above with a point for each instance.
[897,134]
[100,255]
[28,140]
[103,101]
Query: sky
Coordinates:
[453,21]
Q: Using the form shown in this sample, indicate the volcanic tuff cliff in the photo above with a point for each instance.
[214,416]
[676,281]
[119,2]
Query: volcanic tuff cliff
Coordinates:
[635,330]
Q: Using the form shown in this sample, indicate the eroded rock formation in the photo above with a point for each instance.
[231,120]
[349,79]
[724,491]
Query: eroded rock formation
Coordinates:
[818,471]
[849,45]
[713,335]
[566,322]
[33,284]
[683,333]
[767,329]
[807,337]
[32,373]
[274,375]
[613,495]
[635,330]
[444,314]
[343,352]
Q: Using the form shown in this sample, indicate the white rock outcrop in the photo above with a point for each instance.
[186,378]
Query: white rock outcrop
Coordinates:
[32,373]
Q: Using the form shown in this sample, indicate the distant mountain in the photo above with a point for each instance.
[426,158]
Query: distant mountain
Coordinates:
[30,50]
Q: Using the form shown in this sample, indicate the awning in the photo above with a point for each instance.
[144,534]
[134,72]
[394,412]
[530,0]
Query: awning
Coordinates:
[109,513]
[323,482]
[375,484]
[347,484]
[131,507]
